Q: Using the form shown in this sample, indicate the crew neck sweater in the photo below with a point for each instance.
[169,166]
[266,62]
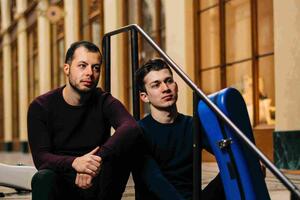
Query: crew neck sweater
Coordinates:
[59,132]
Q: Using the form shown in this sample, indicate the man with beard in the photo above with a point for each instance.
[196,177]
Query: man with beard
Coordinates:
[166,172]
[69,134]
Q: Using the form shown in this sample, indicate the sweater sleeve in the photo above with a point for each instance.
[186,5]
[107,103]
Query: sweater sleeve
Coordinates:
[156,182]
[40,141]
[127,133]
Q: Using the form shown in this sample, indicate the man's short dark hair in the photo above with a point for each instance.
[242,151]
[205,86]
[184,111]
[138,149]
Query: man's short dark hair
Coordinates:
[155,64]
[91,47]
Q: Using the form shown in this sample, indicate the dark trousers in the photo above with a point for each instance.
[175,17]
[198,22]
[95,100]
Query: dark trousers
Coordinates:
[108,185]
[214,190]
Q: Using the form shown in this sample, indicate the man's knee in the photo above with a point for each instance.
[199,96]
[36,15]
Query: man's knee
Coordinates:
[43,183]
[43,177]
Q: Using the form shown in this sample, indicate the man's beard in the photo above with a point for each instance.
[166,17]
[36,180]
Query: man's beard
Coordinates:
[82,92]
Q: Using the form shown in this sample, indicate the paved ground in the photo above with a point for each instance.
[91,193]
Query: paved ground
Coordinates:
[276,189]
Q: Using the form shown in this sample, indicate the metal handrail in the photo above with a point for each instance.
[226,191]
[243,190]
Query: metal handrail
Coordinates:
[135,28]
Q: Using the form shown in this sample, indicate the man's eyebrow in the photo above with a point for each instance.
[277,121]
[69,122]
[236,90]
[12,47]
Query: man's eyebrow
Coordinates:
[168,77]
[82,61]
[156,81]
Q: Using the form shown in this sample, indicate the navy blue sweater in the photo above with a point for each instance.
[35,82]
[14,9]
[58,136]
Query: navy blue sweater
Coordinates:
[167,170]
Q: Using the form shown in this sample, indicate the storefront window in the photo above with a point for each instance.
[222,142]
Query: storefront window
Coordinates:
[236,50]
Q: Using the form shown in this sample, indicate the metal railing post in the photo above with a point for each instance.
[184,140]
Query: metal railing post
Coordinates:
[197,146]
[135,66]
[107,53]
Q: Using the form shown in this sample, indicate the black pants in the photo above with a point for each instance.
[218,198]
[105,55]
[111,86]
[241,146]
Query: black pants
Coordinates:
[214,190]
[108,185]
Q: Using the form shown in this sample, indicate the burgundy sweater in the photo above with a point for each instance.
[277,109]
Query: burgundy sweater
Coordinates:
[59,132]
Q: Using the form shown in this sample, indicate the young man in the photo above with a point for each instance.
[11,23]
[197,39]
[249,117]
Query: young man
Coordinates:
[167,169]
[69,134]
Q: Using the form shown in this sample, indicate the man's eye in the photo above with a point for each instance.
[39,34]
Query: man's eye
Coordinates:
[81,65]
[96,68]
[155,85]
[170,81]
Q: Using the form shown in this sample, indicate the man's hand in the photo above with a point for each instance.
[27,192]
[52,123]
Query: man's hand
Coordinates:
[88,164]
[83,181]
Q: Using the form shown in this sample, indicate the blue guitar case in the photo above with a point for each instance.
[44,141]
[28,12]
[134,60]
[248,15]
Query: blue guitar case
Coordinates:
[240,169]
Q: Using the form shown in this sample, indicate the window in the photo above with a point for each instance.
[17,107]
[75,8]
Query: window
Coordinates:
[15,90]
[1,95]
[13,31]
[13,9]
[92,24]
[31,2]
[92,27]
[236,50]
[150,16]
[1,19]
[32,49]
[33,68]
[1,86]
[96,21]
[57,50]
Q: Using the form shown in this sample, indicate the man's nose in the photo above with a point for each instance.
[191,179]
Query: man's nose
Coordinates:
[165,87]
[89,70]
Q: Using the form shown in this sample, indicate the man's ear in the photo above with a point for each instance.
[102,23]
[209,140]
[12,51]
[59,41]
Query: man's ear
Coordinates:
[67,69]
[144,97]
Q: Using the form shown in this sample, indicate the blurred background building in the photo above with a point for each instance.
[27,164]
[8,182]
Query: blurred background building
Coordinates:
[252,45]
